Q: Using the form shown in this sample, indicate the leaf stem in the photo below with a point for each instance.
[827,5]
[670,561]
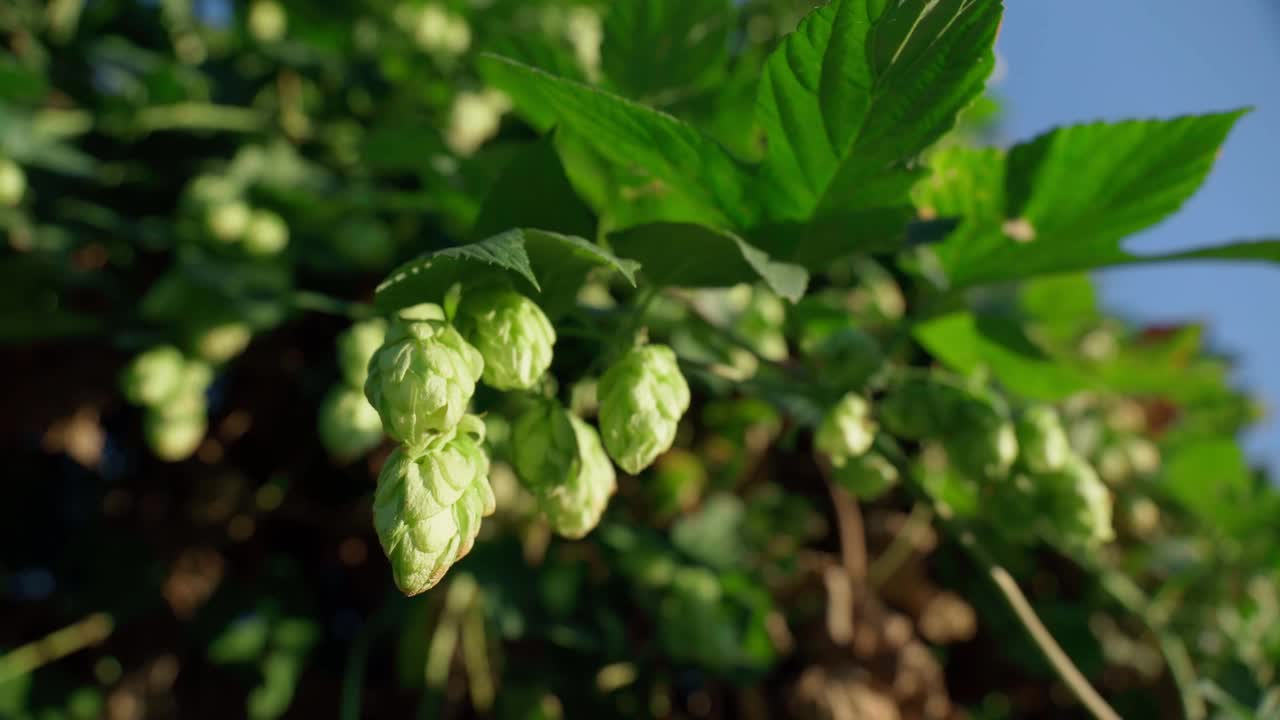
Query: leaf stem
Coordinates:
[318,302]
[56,645]
[888,562]
[1048,646]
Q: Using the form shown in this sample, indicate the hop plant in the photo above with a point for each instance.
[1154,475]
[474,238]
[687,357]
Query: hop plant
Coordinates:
[421,380]
[228,221]
[761,321]
[174,437]
[847,431]
[175,424]
[153,376]
[428,506]
[511,332]
[850,357]
[1042,441]
[868,476]
[1077,505]
[265,234]
[559,458]
[356,347]
[13,183]
[348,426]
[983,443]
[642,398]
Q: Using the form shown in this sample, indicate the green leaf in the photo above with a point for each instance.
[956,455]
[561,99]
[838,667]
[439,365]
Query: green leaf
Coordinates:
[1066,200]
[654,49]
[622,196]
[1212,480]
[852,93]
[965,342]
[532,191]
[537,261]
[686,255]
[876,220]
[628,134]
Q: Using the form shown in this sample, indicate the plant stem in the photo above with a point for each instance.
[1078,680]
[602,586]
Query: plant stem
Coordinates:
[853,540]
[317,302]
[1048,646]
[900,548]
[55,646]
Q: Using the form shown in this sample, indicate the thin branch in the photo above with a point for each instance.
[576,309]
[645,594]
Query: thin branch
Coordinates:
[888,562]
[1049,647]
[55,646]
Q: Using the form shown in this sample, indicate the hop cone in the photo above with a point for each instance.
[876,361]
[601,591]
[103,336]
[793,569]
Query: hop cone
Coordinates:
[1042,441]
[356,346]
[173,437]
[348,426]
[847,431]
[175,426]
[1077,505]
[512,334]
[642,398]
[153,376]
[981,443]
[868,476]
[421,380]
[560,460]
[427,509]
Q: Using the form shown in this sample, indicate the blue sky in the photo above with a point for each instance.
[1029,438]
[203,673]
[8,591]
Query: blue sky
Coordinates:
[1068,62]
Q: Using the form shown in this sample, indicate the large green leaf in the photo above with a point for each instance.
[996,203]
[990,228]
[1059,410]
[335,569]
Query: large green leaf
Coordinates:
[537,261]
[696,256]
[655,50]
[1066,200]
[532,191]
[628,134]
[966,342]
[858,89]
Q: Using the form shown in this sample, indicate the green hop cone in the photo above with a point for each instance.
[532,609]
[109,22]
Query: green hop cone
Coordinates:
[13,183]
[265,234]
[427,508]
[228,222]
[153,376]
[761,323]
[642,398]
[421,380]
[847,431]
[848,358]
[982,443]
[1042,441]
[1077,506]
[915,409]
[174,436]
[560,460]
[511,332]
[868,476]
[356,347]
[349,426]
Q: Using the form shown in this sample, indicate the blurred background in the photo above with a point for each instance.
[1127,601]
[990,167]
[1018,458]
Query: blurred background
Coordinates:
[1090,60]
[243,577]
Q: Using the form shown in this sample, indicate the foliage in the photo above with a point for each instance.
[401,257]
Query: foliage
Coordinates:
[295,281]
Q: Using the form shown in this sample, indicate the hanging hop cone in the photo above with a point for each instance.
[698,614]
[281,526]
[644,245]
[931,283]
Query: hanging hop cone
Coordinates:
[511,332]
[642,398]
[421,380]
[427,508]
[559,459]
